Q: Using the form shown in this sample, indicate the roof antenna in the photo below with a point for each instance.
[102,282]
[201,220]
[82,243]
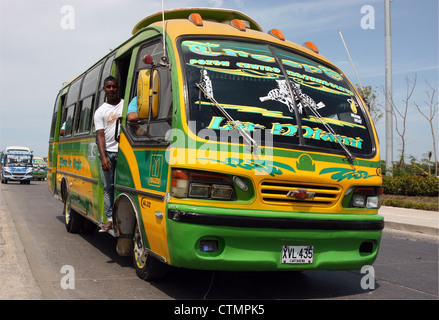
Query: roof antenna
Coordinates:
[361,87]
[164,59]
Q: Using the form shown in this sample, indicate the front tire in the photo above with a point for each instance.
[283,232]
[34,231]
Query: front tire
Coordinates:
[147,267]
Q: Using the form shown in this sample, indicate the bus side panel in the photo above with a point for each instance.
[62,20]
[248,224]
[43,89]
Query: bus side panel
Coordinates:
[78,164]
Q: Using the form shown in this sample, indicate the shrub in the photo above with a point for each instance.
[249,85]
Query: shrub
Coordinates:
[411,185]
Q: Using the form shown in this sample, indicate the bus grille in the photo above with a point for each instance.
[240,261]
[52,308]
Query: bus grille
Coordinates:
[276,193]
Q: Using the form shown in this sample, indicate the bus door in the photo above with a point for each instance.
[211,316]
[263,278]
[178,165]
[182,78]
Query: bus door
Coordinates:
[142,169]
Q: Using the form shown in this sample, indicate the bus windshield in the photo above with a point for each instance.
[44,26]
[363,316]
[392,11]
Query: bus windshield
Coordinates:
[247,80]
[16,160]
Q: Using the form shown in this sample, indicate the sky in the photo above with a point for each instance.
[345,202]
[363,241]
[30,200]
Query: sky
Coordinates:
[45,43]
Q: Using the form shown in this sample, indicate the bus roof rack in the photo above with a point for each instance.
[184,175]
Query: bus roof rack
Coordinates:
[210,14]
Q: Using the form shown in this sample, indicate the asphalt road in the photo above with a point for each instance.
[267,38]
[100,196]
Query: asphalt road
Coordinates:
[406,268]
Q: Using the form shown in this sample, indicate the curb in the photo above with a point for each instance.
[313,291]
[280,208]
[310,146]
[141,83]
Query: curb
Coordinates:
[411,228]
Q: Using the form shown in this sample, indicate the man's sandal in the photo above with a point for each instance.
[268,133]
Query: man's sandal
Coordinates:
[106,227]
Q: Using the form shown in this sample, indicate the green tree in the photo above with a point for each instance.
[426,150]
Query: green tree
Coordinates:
[368,94]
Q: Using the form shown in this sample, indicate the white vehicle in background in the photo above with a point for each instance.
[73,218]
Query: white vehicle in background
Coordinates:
[16,165]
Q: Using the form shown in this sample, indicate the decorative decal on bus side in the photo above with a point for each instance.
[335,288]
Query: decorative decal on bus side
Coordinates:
[305,163]
[75,164]
[269,167]
[155,170]
[341,174]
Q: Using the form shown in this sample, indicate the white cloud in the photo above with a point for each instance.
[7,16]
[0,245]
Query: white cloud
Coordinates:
[216,3]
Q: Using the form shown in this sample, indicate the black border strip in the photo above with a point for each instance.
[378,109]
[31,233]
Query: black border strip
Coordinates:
[139,192]
[272,223]
[91,180]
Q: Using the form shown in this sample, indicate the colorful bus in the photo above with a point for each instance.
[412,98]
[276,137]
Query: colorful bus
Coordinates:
[16,164]
[39,168]
[251,153]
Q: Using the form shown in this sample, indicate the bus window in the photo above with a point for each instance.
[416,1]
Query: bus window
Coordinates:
[155,50]
[85,114]
[161,123]
[156,125]
[122,66]
[105,73]
[72,95]
[72,98]
[54,117]
[85,107]
[70,111]
[89,85]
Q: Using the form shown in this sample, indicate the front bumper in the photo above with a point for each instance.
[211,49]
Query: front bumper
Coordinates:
[252,240]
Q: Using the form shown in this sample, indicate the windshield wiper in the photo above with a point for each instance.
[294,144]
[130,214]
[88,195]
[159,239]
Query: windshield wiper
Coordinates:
[306,101]
[205,86]
[296,92]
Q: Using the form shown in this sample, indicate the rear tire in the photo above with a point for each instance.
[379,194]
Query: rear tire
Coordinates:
[147,267]
[73,220]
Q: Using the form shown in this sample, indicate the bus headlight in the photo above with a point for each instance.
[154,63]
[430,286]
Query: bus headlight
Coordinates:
[224,192]
[358,200]
[201,185]
[197,190]
[365,197]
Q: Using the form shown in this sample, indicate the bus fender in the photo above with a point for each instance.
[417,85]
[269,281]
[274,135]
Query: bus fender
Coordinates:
[125,217]
[64,189]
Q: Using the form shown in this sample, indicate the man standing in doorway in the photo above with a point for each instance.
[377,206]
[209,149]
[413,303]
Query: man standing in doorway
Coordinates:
[105,123]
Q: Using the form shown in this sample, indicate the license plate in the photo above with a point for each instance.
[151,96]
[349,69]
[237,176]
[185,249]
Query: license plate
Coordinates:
[297,254]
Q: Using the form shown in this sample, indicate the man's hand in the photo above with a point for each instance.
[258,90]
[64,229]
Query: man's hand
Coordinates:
[106,164]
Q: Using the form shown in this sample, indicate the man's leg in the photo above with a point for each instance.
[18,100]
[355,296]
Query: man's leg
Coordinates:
[108,188]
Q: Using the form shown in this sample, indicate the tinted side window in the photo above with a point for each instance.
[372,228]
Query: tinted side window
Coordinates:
[70,112]
[155,50]
[105,73]
[90,82]
[72,95]
[54,117]
[72,98]
[85,114]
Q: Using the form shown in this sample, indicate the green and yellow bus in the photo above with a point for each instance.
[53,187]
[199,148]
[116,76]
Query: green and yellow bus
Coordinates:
[39,168]
[251,153]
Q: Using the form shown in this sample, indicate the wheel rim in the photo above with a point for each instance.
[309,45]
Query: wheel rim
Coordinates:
[139,249]
[67,210]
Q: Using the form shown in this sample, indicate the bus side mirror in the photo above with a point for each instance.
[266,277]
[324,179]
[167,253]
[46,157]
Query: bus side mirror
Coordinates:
[148,94]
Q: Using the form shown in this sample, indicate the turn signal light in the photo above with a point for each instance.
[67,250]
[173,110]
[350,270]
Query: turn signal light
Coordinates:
[238,24]
[277,34]
[312,46]
[196,19]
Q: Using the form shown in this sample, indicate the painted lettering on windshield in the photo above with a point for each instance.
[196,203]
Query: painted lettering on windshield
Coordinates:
[287,129]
